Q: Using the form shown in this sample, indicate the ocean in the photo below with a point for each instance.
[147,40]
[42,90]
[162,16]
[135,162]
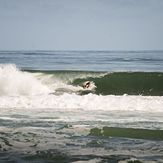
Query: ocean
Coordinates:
[47,116]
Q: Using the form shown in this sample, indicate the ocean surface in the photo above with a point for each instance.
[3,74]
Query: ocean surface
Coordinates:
[46,116]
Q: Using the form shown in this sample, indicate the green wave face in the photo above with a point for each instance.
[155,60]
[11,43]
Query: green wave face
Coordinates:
[127,133]
[131,83]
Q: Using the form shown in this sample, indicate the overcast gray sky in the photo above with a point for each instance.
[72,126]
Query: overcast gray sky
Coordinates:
[81,24]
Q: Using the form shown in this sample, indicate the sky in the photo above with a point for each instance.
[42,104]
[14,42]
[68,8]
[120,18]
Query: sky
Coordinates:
[81,24]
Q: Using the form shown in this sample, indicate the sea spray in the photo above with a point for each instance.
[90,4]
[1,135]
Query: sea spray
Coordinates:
[15,82]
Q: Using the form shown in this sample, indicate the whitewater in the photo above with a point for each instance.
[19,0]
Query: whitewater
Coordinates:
[47,116]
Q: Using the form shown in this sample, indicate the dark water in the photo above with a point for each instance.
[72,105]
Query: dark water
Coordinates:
[47,116]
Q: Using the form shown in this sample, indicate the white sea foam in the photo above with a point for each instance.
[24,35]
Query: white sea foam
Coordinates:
[86,102]
[16,82]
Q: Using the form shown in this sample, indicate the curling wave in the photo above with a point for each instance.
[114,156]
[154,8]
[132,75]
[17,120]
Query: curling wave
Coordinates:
[14,81]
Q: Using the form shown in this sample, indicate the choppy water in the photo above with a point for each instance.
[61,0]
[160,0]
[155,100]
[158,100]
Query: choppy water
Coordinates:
[47,116]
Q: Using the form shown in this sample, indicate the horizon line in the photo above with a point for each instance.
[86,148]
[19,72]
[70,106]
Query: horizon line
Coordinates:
[45,50]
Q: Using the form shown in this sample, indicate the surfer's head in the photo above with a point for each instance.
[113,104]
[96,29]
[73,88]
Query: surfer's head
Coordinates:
[86,84]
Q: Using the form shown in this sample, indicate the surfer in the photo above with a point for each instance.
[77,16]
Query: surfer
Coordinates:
[86,84]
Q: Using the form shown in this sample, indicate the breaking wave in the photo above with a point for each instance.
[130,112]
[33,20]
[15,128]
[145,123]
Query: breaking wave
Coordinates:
[14,81]
[63,90]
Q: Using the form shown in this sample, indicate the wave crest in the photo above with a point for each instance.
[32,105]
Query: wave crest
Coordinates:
[16,82]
